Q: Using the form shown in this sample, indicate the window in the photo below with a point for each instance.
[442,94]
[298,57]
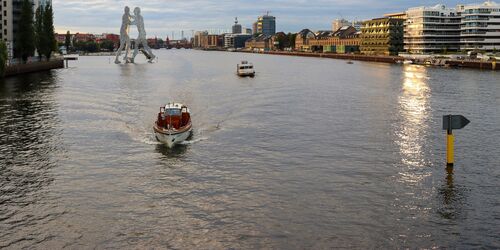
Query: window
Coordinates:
[173,112]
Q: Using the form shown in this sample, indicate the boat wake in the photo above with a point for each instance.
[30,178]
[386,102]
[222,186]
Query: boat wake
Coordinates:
[189,142]
[142,135]
[150,140]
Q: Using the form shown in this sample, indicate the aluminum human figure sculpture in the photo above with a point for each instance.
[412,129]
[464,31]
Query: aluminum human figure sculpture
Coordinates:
[124,37]
[141,39]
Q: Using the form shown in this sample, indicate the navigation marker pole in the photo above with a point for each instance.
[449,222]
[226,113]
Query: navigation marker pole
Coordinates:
[450,143]
[451,122]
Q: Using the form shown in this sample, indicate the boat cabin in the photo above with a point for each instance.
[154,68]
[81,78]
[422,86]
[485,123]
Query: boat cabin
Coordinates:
[245,65]
[173,116]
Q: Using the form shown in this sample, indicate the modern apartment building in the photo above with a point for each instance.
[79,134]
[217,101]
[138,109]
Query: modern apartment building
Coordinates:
[236,40]
[265,24]
[480,27]
[430,30]
[382,36]
[9,19]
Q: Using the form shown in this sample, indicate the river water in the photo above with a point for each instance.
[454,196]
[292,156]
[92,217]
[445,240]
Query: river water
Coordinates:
[310,154]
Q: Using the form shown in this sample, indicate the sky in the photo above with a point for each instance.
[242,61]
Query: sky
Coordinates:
[162,17]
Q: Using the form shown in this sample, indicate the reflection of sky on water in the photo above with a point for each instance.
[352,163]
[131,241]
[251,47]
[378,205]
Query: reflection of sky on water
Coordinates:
[411,133]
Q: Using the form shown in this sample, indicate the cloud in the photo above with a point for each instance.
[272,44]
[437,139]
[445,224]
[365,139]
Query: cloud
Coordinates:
[163,17]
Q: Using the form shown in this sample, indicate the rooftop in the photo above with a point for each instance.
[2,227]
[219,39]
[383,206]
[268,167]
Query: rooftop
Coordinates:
[485,4]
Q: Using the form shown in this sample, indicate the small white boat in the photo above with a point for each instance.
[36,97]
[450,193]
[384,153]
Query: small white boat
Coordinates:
[173,124]
[407,61]
[245,69]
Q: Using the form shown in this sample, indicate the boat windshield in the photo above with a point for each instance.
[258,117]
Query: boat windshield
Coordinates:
[173,112]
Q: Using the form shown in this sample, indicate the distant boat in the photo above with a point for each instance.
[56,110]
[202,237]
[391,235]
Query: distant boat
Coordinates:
[350,62]
[407,61]
[245,69]
[173,124]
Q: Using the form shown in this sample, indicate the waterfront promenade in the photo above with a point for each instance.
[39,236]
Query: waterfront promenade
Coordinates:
[19,69]
[487,65]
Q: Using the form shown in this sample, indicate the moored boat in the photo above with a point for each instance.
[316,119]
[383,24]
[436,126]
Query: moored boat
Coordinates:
[407,61]
[245,69]
[173,124]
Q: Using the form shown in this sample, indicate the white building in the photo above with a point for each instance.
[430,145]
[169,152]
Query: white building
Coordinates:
[480,28]
[10,11]
[432,30]
[339,23]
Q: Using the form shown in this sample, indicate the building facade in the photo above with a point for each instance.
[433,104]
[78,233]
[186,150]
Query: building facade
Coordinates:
[480,27]
[198,38]
[259,43]
[204,40]
[235,41]
[429,30]
[279,41]
[382,36]
[302,40]
[266,25]
[9,19]
[344,40]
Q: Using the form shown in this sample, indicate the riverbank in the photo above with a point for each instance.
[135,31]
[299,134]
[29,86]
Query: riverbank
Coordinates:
[18,69]
[488,65]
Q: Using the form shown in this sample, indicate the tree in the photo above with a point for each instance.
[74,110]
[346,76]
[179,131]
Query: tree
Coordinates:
[48,27]
[88,47]
[40,38]
[25,42]
[92,47]
[67,40]
[291,39]
[107,45]
[161,43]
[3,58]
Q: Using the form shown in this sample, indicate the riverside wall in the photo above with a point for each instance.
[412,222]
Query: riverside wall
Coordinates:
[19,69]
[476,64]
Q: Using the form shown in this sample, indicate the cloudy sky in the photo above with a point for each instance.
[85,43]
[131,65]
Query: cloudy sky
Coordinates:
[162,17]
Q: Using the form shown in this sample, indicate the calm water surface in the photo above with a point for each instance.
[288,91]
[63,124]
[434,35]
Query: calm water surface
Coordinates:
[309,154]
